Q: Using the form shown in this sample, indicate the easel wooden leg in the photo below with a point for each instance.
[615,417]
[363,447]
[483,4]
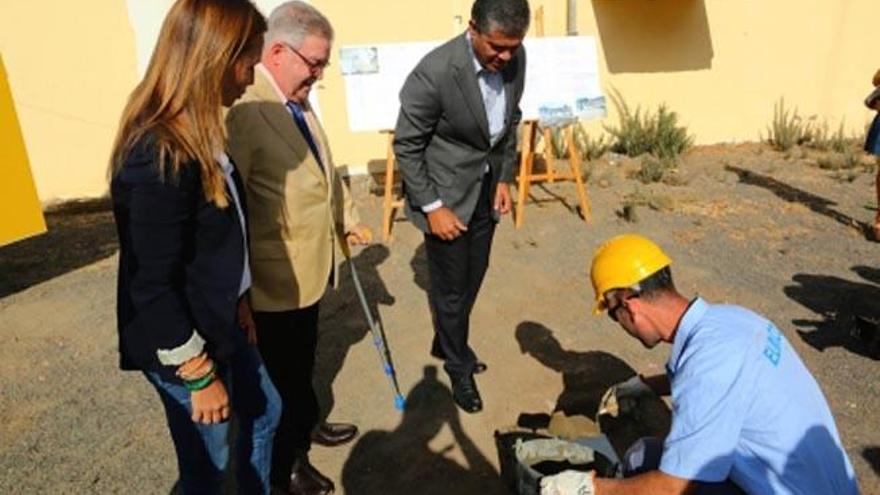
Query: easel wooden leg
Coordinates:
[525,169]
[388,201]
[549,154]
[574,159]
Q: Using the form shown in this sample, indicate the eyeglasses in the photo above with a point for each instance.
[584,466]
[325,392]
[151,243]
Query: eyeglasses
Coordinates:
[612,311]
[313,65]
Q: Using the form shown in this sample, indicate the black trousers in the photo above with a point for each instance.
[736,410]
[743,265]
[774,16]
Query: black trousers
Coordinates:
[456,269]
[287,342]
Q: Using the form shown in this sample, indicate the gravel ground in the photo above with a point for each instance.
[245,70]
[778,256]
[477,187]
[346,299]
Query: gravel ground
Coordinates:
[744,225]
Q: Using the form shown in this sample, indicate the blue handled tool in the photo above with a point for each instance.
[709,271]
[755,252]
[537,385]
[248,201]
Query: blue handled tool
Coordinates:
[379,341]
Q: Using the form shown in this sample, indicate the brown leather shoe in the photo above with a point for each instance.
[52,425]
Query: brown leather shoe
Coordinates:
[333,434]
[306,480]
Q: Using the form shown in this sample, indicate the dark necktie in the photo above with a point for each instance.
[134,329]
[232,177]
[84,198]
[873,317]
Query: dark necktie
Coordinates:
[300,119]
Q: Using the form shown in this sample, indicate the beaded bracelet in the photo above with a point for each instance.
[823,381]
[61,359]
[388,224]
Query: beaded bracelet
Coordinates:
[203,382]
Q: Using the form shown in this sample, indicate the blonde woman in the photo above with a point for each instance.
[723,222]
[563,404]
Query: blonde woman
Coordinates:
[183,317]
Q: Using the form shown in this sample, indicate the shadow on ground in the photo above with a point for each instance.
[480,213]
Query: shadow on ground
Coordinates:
[401,462]
[837,302]
[872,455]
[342,320]
[79,234]
[586,375]
[792,194]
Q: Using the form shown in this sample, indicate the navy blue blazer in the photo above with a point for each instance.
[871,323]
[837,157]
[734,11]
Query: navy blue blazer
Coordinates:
[180,262]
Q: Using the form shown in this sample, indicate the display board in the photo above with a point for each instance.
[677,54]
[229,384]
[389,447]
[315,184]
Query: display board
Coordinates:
[562,80]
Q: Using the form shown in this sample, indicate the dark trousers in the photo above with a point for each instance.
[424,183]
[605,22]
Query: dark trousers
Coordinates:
[456,269]
[287,342]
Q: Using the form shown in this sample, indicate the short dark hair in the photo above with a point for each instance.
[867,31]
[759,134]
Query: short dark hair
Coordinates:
[509,16]
[659,282]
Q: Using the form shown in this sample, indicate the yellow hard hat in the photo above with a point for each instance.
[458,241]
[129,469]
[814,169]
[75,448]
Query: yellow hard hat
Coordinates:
[622,262]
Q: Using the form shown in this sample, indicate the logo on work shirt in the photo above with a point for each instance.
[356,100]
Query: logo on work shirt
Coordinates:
[773,347]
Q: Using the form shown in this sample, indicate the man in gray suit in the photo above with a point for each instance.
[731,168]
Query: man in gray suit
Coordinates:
[455,143]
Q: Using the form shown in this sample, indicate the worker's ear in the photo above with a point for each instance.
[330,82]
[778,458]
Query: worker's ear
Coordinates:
[634,304]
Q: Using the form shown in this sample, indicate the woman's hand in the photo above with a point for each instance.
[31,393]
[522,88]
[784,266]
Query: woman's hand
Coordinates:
[210,405]
[246,320]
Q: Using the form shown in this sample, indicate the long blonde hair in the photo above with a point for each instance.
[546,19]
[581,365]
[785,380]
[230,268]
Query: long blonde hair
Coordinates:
[179,100]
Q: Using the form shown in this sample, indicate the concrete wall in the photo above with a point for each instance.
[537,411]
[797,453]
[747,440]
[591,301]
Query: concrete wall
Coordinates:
[721,64]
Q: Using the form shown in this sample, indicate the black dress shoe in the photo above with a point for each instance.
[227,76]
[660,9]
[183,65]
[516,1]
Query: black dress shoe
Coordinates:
[480,367]
[466,395]
[306,480]
[333,434]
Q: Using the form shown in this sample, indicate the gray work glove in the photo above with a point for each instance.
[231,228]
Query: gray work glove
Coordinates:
[568,483]
[623,398]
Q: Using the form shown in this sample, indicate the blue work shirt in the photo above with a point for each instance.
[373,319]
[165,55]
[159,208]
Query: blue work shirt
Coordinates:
[746,408]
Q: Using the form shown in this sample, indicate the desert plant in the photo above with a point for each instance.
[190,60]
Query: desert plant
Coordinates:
[653,169]
[656,202]
[590,148]
[824,140]
[846,160]
[557,140]
[787,128]
[639,132]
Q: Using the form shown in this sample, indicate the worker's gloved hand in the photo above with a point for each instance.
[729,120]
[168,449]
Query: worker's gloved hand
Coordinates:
[623,398]
[568,483]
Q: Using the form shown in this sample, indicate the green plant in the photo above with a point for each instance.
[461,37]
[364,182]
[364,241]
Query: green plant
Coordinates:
[653,169]
[557,140]
[846,160]
[824,140]
[639,132]
[588,147]
[656,202]
[787,128]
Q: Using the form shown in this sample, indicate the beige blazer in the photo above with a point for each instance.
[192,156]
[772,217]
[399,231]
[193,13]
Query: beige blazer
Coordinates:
[297,214]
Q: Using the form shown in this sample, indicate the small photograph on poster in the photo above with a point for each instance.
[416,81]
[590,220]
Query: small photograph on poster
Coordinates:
[359,60]
[591,108]
[555,113]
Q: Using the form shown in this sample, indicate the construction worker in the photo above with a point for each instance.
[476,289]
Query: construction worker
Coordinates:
[747,414]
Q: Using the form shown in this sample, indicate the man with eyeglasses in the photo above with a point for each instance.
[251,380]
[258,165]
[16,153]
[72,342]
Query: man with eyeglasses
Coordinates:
[747,415]
[299,213]
[455,143]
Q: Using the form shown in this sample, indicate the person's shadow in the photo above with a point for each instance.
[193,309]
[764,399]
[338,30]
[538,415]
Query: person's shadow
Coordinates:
[342,320]
[419,265]
[837,302]
[586,377]
[401,462]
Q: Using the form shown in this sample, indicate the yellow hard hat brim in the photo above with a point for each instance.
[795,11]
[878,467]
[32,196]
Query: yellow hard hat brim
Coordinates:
[600,306]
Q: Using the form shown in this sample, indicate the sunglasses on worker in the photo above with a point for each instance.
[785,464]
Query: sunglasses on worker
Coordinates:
[612,310]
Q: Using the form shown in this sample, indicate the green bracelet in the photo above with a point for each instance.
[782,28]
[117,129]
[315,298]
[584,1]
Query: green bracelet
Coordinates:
[203,382]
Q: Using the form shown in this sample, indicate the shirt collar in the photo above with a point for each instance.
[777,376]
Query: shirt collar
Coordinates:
[225,163]
[478,67]
[692,316]
[262,68]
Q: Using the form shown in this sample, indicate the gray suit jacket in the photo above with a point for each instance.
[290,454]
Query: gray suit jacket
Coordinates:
[442,135]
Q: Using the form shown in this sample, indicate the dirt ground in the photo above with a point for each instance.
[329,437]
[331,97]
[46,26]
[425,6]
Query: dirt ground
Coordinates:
[771,231]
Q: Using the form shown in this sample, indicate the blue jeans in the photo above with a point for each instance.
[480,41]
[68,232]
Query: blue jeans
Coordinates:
[203,450]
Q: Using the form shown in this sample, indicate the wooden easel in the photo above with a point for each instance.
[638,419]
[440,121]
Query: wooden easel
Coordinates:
[526,166]
[390,204]
[527,155]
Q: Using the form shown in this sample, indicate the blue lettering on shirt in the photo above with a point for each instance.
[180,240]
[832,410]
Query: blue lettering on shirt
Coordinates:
[773,348]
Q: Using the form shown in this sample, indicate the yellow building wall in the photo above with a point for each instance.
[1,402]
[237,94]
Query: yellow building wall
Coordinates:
[721,64]
[22,216]
[71,66]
